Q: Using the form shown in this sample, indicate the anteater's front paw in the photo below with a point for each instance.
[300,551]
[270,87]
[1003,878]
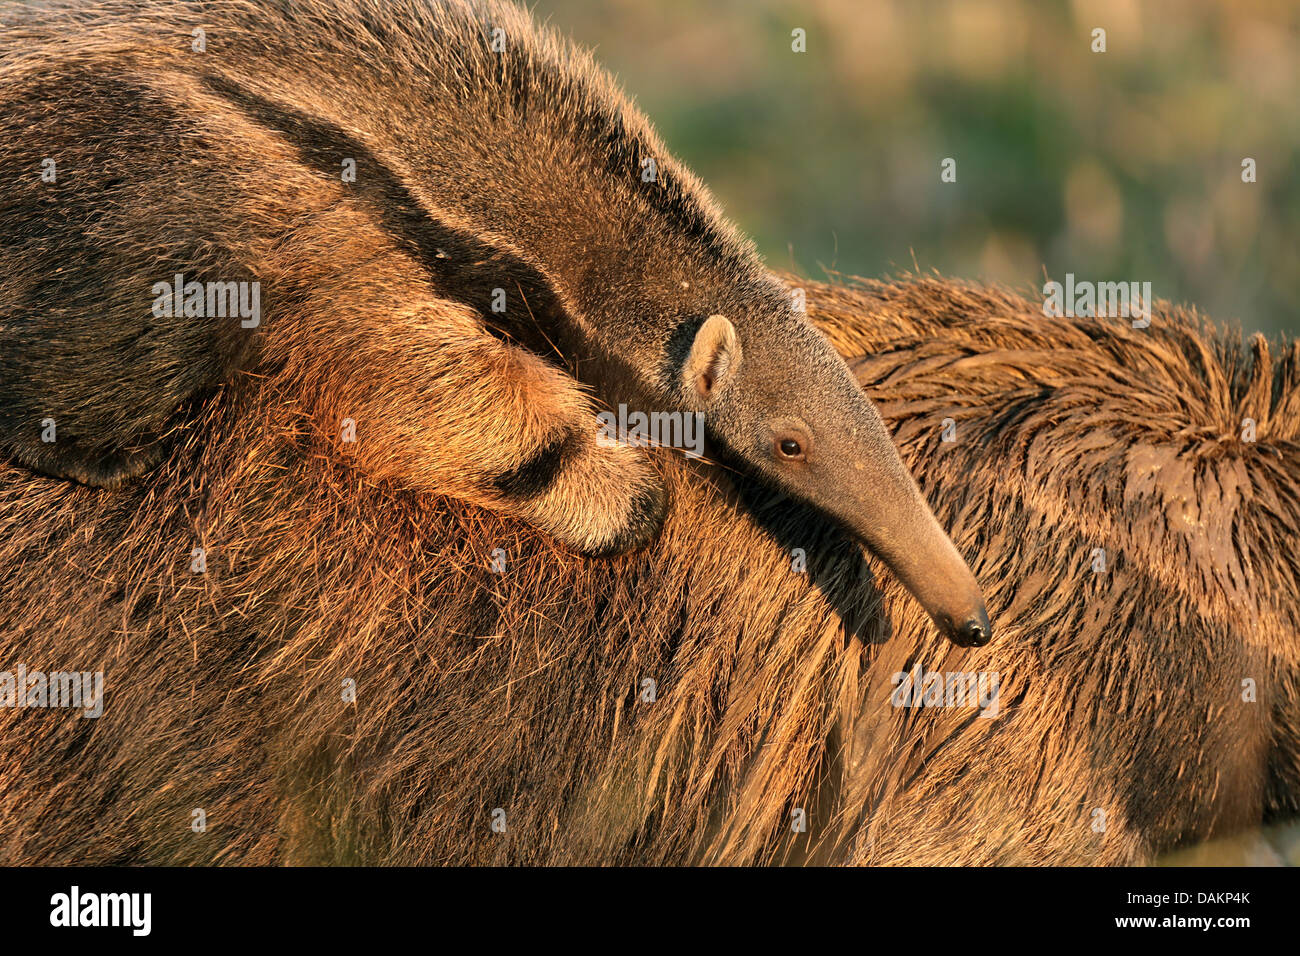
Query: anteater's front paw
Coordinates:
[637,526]
[606,500]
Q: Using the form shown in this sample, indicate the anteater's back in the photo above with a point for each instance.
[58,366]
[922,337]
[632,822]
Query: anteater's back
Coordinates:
[1124,689]
[376,180]
[1121,691]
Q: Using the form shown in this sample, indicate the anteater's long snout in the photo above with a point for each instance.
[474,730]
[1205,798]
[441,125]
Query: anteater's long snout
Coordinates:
[876,498]
[817,434]
[916,549]
[975,631]
[970,628]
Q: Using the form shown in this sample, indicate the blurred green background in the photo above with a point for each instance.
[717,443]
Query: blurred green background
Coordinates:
[1123,165]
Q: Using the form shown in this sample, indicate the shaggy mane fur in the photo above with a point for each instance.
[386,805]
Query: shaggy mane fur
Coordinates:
[523,690]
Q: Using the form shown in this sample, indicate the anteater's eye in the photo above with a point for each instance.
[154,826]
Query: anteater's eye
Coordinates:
[792,440]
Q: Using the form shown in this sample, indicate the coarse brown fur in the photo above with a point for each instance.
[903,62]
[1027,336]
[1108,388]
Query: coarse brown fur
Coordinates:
[456,222]
[524,690]
[225,164]
[492,160]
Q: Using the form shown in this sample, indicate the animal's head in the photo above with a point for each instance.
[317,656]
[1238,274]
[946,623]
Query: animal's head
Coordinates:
[780,399]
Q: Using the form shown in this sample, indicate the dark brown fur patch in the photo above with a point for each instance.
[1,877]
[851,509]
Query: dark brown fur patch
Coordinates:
[522,690]
[534,476]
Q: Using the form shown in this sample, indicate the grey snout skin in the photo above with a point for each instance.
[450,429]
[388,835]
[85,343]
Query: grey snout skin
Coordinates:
[974,631]
[903,532]
[845,465]
[922,557]
[899,528]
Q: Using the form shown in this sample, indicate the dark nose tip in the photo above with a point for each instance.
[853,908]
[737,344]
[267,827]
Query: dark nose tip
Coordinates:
[973,632]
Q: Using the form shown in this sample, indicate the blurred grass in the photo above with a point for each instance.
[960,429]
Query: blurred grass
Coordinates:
[1124,165]
[1266,846]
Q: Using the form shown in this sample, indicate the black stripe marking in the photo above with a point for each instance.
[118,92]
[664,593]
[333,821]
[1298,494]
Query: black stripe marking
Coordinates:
[461,265]
[538,473]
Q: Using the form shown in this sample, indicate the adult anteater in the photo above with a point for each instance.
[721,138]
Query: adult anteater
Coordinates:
[317,557]
[500,680]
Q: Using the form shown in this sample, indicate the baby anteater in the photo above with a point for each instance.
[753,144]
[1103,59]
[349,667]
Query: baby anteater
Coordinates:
[427,219]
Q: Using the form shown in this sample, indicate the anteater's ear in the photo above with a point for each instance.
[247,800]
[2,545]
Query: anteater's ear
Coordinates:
[714,358]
